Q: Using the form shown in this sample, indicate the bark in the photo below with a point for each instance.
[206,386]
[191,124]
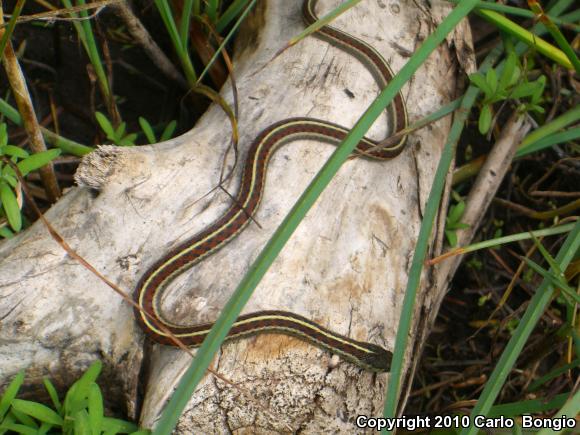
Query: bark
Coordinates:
[345,267]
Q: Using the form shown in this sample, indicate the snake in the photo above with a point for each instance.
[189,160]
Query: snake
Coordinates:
[186,254]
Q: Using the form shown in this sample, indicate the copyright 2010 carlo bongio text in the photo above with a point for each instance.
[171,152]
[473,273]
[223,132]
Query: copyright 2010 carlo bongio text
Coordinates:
[464,421]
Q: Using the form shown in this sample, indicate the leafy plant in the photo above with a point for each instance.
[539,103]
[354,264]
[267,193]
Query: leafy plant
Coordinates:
[116,135]
[82,411]
[511,83]
[555,276]
[9,185]
[150,134]
[453,221]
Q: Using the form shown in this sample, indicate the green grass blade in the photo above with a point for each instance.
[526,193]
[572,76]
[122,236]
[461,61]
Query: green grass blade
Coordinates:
[519,12]
[67,145]
[81,423]
[244,290]
[230,14]
[556,34]
[94,54]
[432,117]
[167,16]
[570,117]
[549,141]
[570,410]
[87,37]
[23,418]
[77,395]
[526,36]
[431,209]
[564,46]
[196,8]
[11,25]
[553,374]
[535,406]
[537,139]
[552,279]
[53,394]
[114,425]
[551,261]
[96,409]
[533,313]
[326,19]
[185,22]
[44,428]
[430,213]
[211,9]
[560,229]
[19,428]
[231,33]
[10,393]
[38,411]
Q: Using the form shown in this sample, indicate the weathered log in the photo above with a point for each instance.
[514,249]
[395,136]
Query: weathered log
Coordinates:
[345,267]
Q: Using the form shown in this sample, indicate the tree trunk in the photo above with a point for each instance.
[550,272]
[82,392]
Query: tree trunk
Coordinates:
[345,267]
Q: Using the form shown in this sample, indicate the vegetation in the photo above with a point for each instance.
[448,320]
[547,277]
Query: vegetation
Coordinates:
[81,412]
[520,280]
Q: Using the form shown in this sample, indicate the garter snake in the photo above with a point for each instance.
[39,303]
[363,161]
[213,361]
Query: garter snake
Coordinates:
[156,279]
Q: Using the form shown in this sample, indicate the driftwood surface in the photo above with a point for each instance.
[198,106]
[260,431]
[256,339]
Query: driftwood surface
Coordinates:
[345,267]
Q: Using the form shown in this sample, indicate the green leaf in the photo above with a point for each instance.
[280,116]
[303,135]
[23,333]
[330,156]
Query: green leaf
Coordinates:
[3,135]
[120,132]
[6,421]
[77,395]
[118,426]
[539,91]
[18,428]
[491,80]
[53,394]
[11,180]
[23,418]
[451,237]
[508,71]
[456,226]
[536,108]
[478,79]
[456,212]
[10,393]
[96,409]
[485,119]
[517,74]
[106,125]
[168,131]
[6,233]
[147,129]
[7,169]
[524,90]
[500,95]
[13,151]
[38,411]
[44,428]
[81,423]
[10,206]
[128,140]
[73,402]
[37,160]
